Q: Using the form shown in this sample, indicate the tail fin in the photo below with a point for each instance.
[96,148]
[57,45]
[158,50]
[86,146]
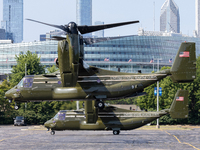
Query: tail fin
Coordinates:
[179,107]
[184,66]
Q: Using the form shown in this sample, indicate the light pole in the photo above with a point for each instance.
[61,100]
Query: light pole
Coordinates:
[158,59]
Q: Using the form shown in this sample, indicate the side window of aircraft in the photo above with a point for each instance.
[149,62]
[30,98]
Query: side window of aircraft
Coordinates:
[28,82]
[61,116]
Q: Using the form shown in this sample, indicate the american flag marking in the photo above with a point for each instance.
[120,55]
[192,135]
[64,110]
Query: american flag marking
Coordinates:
[184,54]
[180,98]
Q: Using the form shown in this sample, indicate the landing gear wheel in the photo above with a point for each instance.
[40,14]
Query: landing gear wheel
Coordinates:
[100,104]
[116,132]
[52,132]
[16,107]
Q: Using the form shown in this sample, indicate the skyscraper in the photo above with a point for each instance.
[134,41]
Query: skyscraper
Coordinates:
[197,4]
[169,17]
[13,19]
[101,32]
[84,13]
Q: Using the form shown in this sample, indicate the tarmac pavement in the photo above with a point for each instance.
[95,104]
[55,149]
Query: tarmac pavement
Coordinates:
[146,138]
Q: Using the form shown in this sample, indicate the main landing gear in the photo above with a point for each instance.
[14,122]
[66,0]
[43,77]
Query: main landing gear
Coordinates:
[100,104]
[116,132]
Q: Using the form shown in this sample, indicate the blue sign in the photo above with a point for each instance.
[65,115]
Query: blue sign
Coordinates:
[155,91]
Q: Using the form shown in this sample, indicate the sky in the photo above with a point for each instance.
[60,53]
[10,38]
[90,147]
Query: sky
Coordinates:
[62,12]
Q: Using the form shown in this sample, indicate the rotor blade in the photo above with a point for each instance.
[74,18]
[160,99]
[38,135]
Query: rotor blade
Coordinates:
[56,38]
[59,38]
[87,29]
[56,26]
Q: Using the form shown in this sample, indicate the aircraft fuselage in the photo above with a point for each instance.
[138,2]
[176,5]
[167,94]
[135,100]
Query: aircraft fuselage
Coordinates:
[100,85]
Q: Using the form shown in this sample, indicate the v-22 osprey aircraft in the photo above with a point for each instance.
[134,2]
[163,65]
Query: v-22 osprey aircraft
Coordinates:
[76,80]
[116,119]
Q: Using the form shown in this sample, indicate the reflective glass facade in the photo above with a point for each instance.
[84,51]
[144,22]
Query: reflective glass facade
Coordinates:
[47,51]
[140,49]
[169,17]
[129,53]
[84,13]
[99,33]
[13,19]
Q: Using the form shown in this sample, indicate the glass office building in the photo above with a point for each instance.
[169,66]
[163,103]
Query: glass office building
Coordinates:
[84,13]
[129,53]
[47,51]
[98,33]
[197,19]
[169,17]
[133,53]
[13,19]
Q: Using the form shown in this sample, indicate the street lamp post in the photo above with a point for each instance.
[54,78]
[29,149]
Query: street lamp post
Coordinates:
[158,59]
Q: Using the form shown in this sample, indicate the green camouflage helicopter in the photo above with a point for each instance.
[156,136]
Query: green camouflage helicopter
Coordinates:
[116,119]
[78,81]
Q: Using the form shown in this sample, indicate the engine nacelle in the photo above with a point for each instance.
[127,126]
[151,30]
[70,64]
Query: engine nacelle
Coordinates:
[68,55]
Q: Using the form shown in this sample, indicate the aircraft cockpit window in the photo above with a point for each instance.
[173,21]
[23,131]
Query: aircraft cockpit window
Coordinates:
[56,116]
[20,84]
[28,82]
[61,116]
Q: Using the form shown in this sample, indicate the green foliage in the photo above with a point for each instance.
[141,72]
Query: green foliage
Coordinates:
[169,90]
[6,109]
[52,69]
[33,66]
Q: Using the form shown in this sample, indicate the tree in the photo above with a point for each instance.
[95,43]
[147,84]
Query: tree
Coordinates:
[169,90]
[6,109]
[33,66]
[52,69]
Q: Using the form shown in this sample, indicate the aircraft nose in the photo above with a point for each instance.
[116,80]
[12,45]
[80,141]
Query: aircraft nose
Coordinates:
[46,124]
[8,94]
[12,93]
[49,124]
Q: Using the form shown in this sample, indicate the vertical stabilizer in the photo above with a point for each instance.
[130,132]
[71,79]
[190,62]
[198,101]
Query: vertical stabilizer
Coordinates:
[179,107]
[184,66]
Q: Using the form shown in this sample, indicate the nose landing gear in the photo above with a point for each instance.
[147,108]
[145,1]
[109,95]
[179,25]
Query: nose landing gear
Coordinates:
[52,132]
[16,107]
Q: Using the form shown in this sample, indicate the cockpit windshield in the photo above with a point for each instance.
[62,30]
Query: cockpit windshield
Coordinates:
[26,82]
[60,116]
[56,116]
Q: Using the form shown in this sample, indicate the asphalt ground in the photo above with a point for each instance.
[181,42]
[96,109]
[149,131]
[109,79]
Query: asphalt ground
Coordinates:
[145,138]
